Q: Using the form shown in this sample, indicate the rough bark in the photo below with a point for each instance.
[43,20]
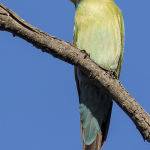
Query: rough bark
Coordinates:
[10,22]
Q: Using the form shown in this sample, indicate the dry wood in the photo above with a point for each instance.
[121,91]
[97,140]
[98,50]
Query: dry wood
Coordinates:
[10,22]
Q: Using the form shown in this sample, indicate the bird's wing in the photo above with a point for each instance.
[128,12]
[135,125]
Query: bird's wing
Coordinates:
[121,24]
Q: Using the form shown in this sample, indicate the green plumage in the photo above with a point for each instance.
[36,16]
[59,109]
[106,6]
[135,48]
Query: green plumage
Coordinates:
[99,30]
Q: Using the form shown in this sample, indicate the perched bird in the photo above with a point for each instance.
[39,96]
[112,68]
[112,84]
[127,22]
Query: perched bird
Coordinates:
[99,30]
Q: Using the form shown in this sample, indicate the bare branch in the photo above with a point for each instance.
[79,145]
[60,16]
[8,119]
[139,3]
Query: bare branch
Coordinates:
[10,22]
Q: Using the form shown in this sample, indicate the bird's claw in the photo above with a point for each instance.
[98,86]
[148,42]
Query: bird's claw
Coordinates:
[86,55]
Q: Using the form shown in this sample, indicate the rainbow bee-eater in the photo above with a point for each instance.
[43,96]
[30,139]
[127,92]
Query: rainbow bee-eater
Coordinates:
[99,30]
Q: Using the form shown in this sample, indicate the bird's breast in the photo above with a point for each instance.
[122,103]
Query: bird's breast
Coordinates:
[97,31]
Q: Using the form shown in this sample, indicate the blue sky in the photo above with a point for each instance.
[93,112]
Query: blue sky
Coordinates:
[38,97]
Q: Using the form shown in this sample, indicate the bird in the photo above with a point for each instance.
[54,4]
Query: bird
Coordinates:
[99,31]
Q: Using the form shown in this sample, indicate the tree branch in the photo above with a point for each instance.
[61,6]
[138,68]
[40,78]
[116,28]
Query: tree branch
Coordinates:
[10,22]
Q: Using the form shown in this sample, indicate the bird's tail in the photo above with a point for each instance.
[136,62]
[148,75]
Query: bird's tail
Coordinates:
[95,112]
[96,145]
[94,127]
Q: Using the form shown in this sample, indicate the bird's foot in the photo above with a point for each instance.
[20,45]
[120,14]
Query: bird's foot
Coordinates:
[86,55]
[112,74]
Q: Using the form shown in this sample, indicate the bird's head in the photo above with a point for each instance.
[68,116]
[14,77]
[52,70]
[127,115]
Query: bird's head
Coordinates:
[77,1]
[74,1]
